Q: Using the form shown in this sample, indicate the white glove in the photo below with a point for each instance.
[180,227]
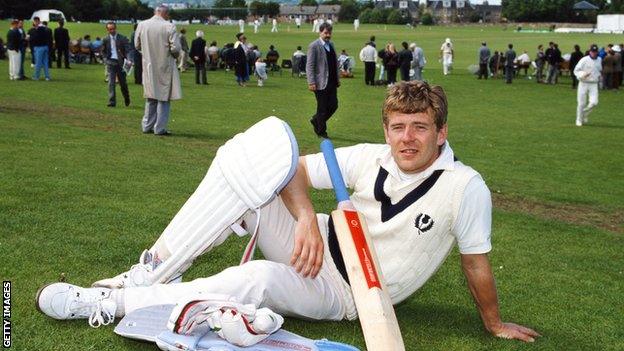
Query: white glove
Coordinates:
[239,324]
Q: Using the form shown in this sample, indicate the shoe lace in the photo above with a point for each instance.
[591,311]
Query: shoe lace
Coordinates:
[93,306]
[100,316]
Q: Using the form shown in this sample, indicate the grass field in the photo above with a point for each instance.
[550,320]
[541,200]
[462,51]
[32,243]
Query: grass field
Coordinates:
[83,191]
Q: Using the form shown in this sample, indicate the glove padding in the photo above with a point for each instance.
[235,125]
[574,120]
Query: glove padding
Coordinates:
[239,324]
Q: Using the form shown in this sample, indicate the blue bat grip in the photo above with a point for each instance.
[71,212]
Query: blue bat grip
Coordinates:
[340,189]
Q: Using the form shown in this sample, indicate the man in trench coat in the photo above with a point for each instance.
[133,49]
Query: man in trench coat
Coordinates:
[159,44]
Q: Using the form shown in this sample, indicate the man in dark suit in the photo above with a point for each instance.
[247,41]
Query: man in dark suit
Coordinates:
[61,41]
[198,55]
[116,49]
[323,79]
[137,59]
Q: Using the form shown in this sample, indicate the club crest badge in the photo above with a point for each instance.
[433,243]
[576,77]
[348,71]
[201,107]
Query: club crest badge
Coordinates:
[423,223]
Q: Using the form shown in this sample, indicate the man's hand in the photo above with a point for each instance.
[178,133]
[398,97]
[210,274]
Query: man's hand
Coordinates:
[312,87]
[515,331]
[481,283]
[307,256]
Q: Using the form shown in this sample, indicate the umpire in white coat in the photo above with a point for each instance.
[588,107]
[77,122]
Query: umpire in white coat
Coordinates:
[159,44]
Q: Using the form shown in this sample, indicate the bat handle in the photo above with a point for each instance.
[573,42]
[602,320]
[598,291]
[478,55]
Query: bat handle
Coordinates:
[340,189]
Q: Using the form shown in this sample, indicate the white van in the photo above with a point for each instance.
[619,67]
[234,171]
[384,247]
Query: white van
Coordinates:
[48,15]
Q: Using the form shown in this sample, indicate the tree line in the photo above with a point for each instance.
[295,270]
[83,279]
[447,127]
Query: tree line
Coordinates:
[556,10]
[79,10]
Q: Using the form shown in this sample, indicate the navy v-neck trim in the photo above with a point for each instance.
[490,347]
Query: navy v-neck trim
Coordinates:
[388,210]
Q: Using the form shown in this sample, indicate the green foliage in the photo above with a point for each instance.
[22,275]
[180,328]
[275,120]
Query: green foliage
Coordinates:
[349,10]
[365,15]
[426,19]
[550,10]
[260,8]
[82,10]
[396,17]
[308,3]
[379,15]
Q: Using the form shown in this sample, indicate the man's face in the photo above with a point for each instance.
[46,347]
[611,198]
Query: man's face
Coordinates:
[593,54]
[112,30]
[414,140]
[20,24]
[36,23]
[326,34]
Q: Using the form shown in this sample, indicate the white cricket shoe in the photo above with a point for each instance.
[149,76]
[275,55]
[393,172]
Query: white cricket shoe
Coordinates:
[66,301]
[139,274]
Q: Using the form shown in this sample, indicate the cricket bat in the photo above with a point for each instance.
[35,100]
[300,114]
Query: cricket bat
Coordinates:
[379,323]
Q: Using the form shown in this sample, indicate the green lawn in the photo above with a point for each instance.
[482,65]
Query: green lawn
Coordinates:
[83,191]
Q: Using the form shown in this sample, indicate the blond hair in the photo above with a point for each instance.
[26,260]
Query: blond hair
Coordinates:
[416,97]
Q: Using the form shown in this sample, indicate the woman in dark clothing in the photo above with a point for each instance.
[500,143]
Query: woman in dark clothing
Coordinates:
[405,61]
[241,68]
[391,62]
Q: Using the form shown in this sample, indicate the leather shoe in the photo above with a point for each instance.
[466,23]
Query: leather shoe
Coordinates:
[127,101]
[110,104]
[165,133]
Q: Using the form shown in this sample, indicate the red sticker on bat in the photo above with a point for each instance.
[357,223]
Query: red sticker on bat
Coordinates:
[361,246]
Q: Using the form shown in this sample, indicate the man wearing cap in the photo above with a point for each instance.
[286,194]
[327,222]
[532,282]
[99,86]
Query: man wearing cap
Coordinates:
[588,71]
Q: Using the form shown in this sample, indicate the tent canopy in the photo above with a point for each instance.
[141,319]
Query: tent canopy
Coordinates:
[584,5]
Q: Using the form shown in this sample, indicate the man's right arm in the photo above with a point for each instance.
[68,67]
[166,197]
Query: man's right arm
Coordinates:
[307,256]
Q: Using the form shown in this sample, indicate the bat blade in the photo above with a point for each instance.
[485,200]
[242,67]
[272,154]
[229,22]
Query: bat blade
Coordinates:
[376,313]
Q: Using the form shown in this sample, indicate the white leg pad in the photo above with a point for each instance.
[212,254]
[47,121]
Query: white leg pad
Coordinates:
[247,173]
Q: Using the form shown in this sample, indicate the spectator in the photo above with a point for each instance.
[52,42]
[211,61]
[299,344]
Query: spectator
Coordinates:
[391,63]
[184,51]
[484,58]
[198,55]
[510,57]
[158,41]
[39,42]
[23,45]
[50,40]
[617,70]
[523,62]
[2,50]
[116,51]
[575,57]
[261,71]
[608,67]
[137,59]
[405,61]
[298,52]
[213,54]
[540,61]
[61,41]
[495,64]
[12,47]
[240,59]
[418,62]
[368,55]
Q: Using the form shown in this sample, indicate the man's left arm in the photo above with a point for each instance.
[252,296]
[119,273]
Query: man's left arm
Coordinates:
[482,286]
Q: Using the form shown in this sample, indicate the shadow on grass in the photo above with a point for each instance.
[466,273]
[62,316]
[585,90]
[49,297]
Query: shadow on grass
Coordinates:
[604,126]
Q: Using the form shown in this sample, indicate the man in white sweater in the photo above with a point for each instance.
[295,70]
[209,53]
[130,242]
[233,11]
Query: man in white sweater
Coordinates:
[368,55]
[588,71]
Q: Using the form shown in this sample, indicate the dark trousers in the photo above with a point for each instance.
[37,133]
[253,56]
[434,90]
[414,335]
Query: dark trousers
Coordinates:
[326,105]
[607,81]
[138,68]
[52,56]
[392,71]
[539,73]
[62,52]
[509,73]
[200,73]
[21,71]
[369,73]
[617,80]
[483,72]
[115,72]
[574,80]
[405,73]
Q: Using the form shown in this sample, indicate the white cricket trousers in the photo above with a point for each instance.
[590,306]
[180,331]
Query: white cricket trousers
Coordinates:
[14,64]
[583,108]
[447,62]
[271,283]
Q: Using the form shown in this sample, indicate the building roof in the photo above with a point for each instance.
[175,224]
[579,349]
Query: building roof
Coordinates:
[286,10]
